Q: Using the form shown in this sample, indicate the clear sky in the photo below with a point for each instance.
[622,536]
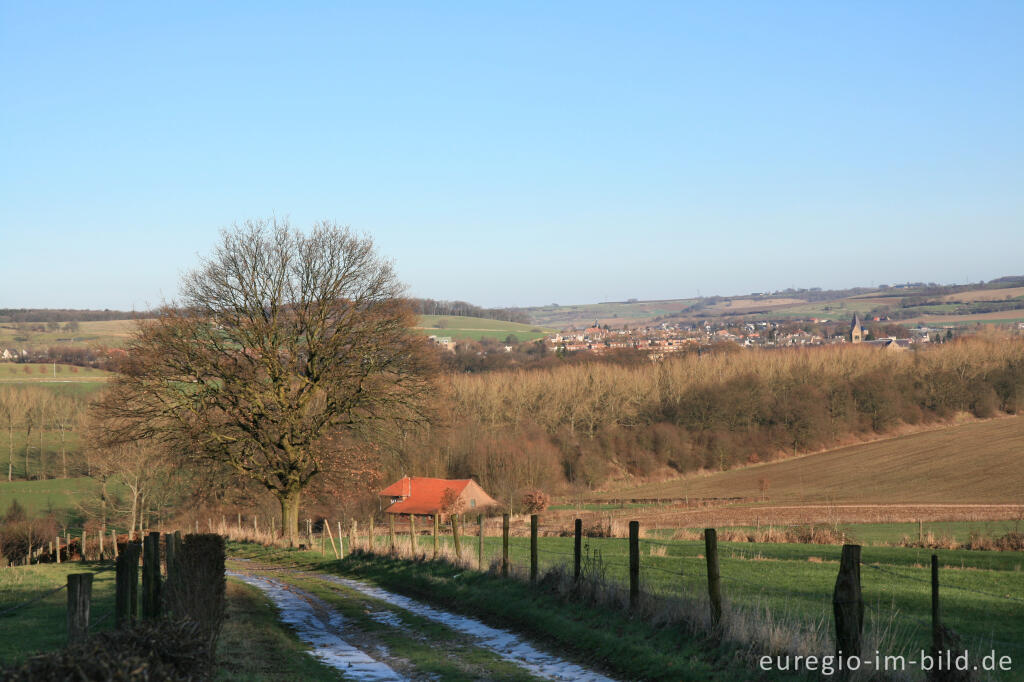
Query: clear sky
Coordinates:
[515,153]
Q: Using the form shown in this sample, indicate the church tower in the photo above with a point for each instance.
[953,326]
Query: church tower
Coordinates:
[856,330]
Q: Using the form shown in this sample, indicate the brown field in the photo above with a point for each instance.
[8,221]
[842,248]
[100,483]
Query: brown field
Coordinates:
[975,463]
[1005,315]
[985,295]
[739,305]
[968,472]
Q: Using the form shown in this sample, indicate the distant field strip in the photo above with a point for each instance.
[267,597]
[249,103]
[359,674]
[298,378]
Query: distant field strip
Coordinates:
[975,463]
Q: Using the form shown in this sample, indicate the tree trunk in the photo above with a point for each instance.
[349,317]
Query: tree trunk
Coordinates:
[289,500]
[135,507]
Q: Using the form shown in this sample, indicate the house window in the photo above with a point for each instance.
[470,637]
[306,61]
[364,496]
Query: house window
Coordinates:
[472,503]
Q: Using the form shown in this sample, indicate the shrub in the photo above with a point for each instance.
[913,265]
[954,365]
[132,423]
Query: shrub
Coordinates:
[535,501]
[154,651]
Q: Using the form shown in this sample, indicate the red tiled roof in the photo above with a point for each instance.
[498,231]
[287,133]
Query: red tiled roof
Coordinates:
[423,495]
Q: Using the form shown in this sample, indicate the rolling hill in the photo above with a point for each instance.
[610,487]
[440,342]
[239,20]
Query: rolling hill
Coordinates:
[973,463]
[476,328]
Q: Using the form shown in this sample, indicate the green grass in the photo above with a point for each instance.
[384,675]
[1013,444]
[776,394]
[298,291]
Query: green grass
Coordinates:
[95,333]
[41,626]
[982,592]
[476,328]
[893,533]
[42,373]
[599,637]
[61,496]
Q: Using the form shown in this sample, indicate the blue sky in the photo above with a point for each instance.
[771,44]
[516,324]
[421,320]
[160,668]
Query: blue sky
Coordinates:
[515,153]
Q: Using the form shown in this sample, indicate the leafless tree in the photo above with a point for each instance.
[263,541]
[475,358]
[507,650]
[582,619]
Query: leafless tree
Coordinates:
[284,350]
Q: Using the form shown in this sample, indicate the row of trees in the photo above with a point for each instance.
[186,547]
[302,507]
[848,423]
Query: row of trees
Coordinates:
[40,432]
[429,306]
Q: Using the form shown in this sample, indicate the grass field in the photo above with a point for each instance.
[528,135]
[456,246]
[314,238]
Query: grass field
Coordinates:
[48,373]
[61,496]
[982,592]
[98,333]
[978,462]
[253,644]
[41,626]
[476,328]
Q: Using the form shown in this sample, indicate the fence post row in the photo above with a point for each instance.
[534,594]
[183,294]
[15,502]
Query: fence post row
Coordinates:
[504,545]
[412,533]
[151,576]
[454,518]
[937,644]
[714,580]
[127,579]
[437,530]
[480,547]
[79,599]
[634,563]
[391,530]
[848,604]
[577,550]
[533,547]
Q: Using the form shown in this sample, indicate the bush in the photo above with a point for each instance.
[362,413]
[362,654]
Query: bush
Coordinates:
[154,651]
[535,501]
[20,535]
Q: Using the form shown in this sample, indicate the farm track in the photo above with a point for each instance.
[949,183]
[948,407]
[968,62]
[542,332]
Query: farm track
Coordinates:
[476,650]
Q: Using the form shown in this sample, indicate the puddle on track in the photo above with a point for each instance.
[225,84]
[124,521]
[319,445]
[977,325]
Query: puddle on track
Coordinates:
[327,646]
[506,644]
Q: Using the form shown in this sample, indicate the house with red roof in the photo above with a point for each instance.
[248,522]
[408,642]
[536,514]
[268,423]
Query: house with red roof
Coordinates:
[429,496]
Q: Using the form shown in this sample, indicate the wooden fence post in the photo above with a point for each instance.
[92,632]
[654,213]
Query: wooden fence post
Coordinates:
[454,518]
[412,533]
[391,531]
[534,519]
[127,581]
[371,534]
[714,580]
[352,537]
[937,644]
[577,550]
[58,549]
[848,604]
[480,546]
[327,525]
[113,541]
[83,545]
[341,543]
[151,576]
[634,563]
[79,599]
[169,555]
[504,545]
[437,531]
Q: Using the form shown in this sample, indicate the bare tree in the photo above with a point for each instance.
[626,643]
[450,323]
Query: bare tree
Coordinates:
[284,348]
[67,413]
[13,411]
